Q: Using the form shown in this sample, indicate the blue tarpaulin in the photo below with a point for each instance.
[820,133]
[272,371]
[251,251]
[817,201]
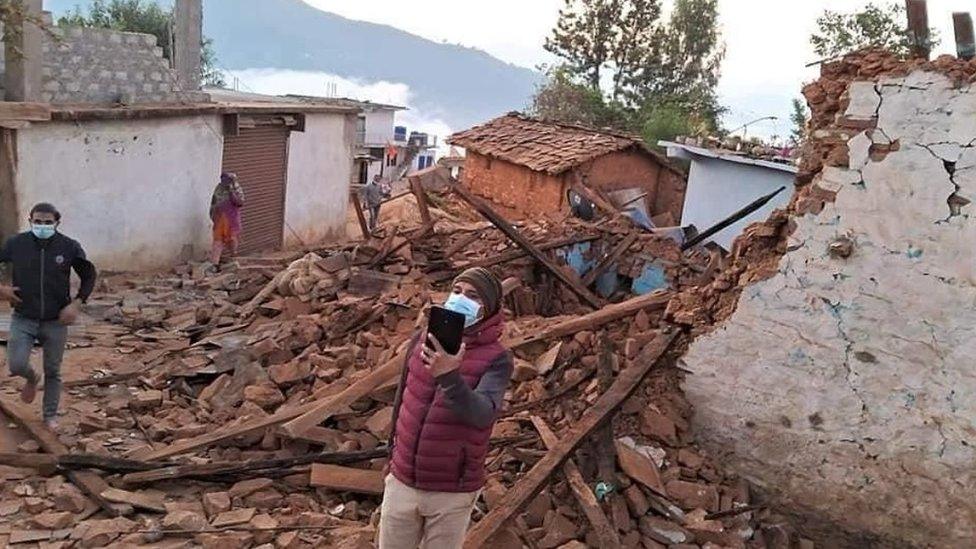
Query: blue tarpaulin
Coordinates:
[575,257]
[651,278]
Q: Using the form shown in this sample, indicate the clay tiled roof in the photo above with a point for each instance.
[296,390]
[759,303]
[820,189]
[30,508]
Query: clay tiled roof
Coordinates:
[546,146]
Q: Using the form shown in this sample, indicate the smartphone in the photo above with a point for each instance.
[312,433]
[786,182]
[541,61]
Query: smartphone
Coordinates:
[448,327]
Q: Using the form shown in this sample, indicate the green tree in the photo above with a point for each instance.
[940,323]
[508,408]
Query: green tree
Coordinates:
[682,68]
[143,16]
[799,118]
[660,70]
[583,36]
[563,98]
[666,120]
[881,26]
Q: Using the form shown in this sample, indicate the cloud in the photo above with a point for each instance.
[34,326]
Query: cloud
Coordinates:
[323,84]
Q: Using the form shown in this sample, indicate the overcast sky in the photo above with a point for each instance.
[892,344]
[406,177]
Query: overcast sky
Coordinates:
[767,40]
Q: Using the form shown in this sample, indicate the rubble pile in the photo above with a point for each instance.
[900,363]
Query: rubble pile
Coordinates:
[258,401]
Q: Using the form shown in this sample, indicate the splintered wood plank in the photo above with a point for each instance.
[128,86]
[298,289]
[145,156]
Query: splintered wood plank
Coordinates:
[511,255]
[347,479]
[610,259]
[333,405]
[307,415]
[88,482]
[417,187]
[33,112]
[591,507]
[650,302]
[522,242]
[532,482]
[138,500]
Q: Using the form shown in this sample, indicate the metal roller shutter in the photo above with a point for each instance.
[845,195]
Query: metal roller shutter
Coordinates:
[259,157]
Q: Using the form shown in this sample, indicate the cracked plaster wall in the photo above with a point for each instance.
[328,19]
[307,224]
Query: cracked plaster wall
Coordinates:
[845,388]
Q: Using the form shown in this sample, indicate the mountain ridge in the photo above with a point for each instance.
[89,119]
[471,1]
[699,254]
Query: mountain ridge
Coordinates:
[460,84]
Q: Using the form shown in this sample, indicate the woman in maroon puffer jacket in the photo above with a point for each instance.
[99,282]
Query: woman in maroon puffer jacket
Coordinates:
[443,414]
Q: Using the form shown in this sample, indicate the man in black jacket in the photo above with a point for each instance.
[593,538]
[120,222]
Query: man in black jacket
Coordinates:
[41,261]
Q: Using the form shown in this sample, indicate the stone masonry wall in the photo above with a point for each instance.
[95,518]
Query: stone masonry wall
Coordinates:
[843,383]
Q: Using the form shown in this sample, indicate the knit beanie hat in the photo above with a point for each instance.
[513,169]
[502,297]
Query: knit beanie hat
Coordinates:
[488,286]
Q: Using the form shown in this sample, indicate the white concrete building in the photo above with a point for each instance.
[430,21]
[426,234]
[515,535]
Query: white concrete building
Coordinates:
[387,149]
[134,183]
[720,183]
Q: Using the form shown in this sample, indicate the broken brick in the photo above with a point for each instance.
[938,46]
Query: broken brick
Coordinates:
[290,372]
[558,529]
[215,503]
[664,531]
[691,495]
[245,488]
[233,518]
[265,395]
[184,520]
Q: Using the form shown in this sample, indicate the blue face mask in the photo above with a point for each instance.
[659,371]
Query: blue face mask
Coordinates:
[460,303]
[43,232]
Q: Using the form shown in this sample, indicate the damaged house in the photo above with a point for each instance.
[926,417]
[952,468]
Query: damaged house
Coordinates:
[111,132]
[528,165]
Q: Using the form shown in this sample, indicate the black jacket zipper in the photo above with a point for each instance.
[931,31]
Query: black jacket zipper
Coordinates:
[463,464]
[43,260]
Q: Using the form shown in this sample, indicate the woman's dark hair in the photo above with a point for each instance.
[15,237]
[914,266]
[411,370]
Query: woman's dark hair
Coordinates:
[45,207]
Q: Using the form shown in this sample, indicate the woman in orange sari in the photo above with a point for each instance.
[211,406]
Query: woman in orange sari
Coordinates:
[225,212]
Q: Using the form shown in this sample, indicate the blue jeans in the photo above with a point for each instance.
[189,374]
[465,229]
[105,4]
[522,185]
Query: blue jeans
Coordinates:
[52,336]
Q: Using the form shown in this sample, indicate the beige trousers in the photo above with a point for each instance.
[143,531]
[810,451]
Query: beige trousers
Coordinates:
[412,518]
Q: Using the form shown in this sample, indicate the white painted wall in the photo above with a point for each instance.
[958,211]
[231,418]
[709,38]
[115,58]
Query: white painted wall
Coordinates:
[320,165]
[847,387]
[718,188]
[135,193]
[379,126]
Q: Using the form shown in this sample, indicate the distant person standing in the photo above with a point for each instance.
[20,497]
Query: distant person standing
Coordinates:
[225,212]
[372,198]
[42,260]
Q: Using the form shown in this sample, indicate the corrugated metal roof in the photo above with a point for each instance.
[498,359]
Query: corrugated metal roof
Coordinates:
[728,156]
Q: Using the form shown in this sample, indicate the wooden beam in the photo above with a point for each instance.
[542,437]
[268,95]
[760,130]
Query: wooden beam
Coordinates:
[335,404]
[363,225]
[306,413]
[45,463]
[88,482]
[136,499]
[204,471]
[30,112]
[604,531]
[418,190]
[609,259]
[520,241]
[513,255]
[918,28]
[529,485]
[962,22]
[649,302]
[602,439]
[464,242]
[587,193]
[346,479]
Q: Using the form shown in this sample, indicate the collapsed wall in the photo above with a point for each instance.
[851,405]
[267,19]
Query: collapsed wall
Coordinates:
[842,384]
